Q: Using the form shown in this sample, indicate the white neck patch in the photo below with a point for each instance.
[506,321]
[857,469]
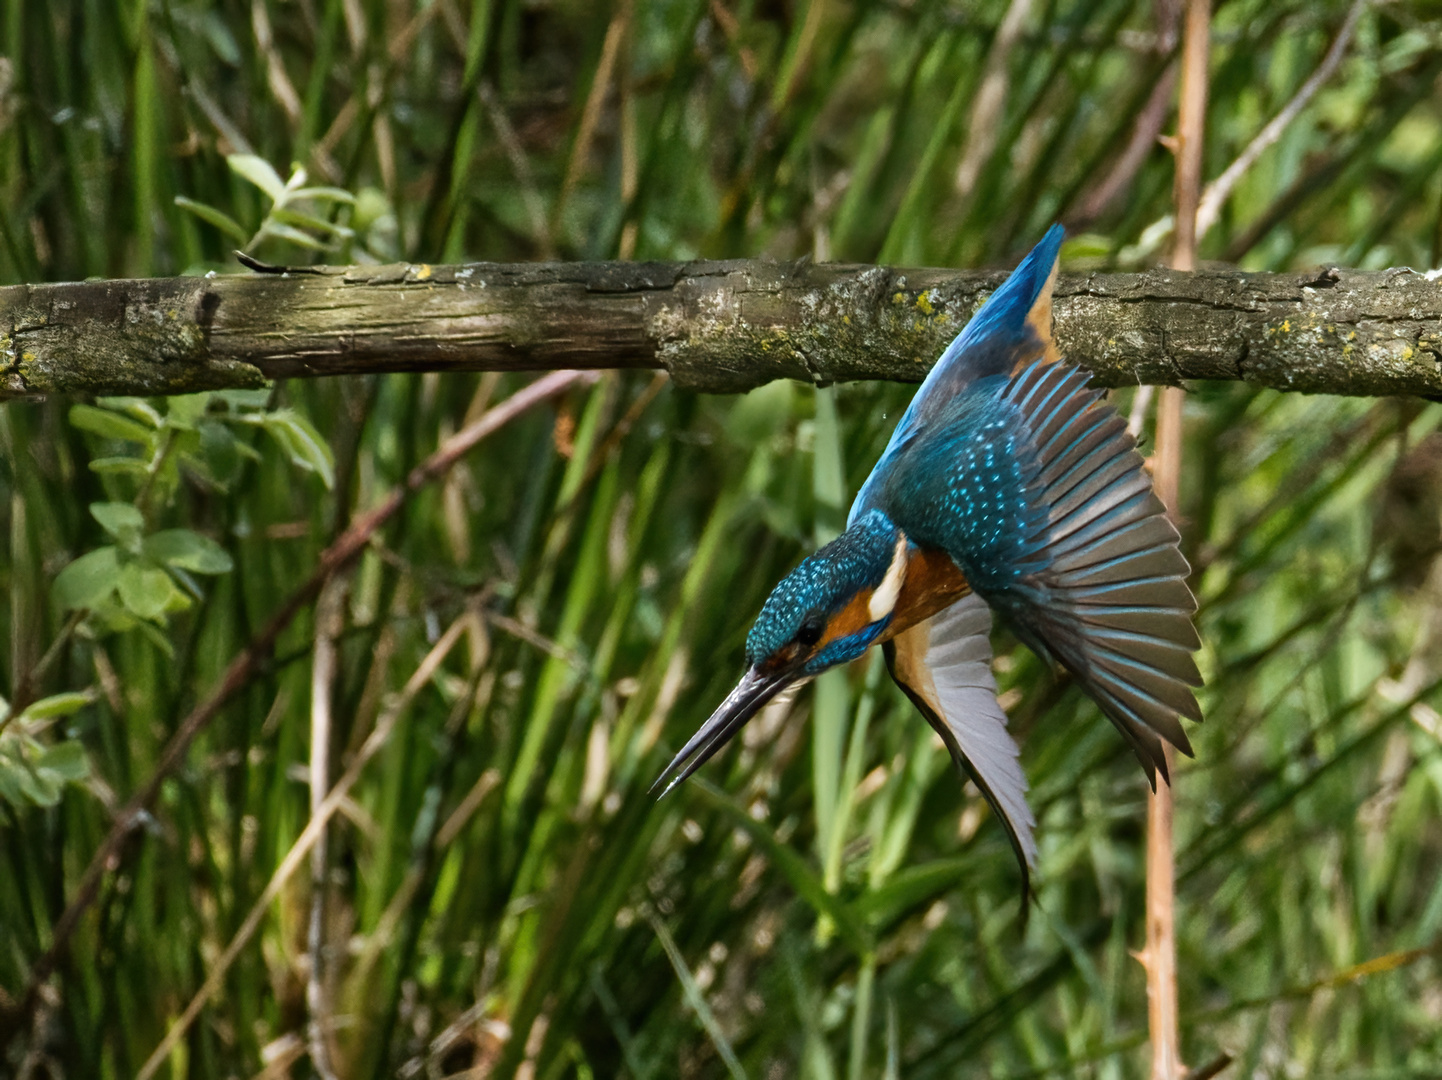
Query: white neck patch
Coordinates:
[883,600]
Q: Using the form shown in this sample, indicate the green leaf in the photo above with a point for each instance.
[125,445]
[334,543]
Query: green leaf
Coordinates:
[259,172]
[325,194]
[303,443]
[793,867]
[137,407]
[221,220]
[49,708]
[213,27]
[911,886]
[89,580]
[187,447]
[120,520]
[116,465]
[295,236]
[110,425]
[167,476]
[219,449]
[370,206]
[1086,246]
[10,790]
[159,640]
[189,551]
[67,761]
[310,221]
[42,789]
[185,410]
[114,619]
[243,399]
[148,592]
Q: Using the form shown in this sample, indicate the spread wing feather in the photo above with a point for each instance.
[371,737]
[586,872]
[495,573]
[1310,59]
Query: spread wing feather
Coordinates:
[1111,600]
[944,665]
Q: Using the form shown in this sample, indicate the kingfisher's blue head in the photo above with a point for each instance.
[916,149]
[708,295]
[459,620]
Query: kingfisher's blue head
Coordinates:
[832,607]
[827,611]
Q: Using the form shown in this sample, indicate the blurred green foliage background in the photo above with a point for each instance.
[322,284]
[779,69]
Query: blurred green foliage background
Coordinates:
[828,899]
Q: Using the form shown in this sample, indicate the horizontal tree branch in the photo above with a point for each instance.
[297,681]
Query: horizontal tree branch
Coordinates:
[715,326]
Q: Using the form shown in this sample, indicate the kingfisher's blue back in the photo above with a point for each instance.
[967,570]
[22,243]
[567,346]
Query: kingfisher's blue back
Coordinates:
[1008,485]
[955,465]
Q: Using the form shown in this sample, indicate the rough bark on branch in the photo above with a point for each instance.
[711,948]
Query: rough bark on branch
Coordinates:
[715,326]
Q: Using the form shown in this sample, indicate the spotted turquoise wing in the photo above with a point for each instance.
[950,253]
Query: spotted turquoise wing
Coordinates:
[1034,487]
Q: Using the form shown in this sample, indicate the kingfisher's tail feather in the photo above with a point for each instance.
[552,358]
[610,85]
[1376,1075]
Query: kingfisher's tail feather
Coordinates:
[1011,329]
[1114,605]
[1021,307]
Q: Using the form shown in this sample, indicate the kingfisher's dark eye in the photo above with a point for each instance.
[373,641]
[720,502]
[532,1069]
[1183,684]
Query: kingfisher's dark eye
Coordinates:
[811,630]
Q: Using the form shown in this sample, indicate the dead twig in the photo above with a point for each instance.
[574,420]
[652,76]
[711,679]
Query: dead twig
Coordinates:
[1145,130]
[591,114]
[1220,189]
[986,109]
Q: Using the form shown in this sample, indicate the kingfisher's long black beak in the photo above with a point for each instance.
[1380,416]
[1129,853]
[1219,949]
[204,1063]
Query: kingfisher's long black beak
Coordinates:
[753,691]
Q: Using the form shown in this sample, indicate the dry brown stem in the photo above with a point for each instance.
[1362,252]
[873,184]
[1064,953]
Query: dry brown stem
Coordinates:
[1160,955]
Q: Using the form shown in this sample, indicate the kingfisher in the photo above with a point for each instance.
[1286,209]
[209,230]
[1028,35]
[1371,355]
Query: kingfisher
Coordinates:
[1009,487]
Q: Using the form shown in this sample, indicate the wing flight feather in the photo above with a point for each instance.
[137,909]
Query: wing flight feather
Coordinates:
[1111,600]
[944,665]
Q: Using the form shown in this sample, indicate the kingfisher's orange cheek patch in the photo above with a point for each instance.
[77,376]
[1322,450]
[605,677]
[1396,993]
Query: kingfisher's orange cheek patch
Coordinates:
[854,617]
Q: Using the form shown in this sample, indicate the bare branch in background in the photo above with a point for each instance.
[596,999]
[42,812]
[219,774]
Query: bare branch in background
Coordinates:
[591,115]
[520,164]
[1220,189]
[329,622]
[990,99]
[1147,128]
[281,88]
[1145,131]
